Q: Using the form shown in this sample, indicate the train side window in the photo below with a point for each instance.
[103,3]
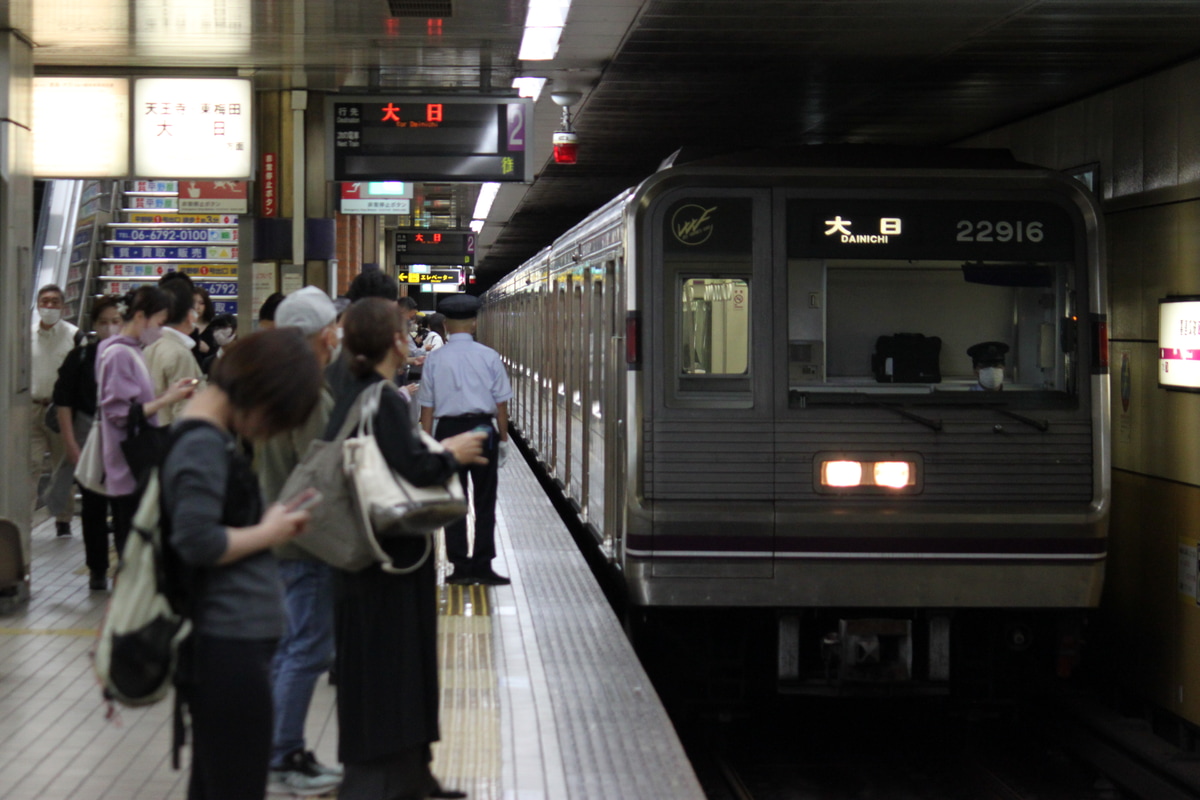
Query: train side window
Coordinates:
[714,334]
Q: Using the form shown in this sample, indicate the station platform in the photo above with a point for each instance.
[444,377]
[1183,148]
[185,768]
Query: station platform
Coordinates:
[542,696]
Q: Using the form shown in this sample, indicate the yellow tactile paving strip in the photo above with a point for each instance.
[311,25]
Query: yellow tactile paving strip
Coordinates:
[469,755]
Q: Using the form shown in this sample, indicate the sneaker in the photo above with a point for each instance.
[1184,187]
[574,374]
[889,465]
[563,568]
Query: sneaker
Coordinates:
[62,528]
[302,776]
[488,577]
[311,760]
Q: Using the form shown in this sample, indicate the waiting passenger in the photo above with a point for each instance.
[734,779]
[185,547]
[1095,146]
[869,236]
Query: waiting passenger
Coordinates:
[266,314]
[125,381]
[205,311]
[224,333]
[306,650]
[437,332]
[267,384]
[53,339]
[170,359]
[386,631]
[75,400]
[988,360]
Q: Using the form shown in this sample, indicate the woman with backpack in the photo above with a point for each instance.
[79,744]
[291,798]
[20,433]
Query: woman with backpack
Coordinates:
[386,624]
[216,527]
[124,381]
[75,404]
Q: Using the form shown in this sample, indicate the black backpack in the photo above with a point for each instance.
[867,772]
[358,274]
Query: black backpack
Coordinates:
[907,358]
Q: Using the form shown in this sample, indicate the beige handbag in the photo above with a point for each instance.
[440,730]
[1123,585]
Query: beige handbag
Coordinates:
[364,500]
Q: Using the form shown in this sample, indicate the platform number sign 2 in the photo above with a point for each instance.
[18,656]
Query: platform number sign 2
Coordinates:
[516,127]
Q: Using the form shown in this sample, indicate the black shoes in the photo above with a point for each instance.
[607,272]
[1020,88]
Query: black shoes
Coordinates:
[489,578]
[485,576]
[98,582]
[62,528]
[461,576]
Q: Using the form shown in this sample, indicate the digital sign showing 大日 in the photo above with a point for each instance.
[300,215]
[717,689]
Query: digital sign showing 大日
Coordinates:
[455,139]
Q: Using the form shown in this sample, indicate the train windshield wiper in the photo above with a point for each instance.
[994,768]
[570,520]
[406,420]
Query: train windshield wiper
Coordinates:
[932,424]
[1042,425]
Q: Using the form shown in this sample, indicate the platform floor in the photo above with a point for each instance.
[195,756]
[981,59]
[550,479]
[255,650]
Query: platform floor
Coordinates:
[542,696]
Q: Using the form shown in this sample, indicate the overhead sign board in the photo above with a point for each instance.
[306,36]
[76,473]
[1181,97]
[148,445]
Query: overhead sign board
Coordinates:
[453,276]
[408,138]
[1179,343]
[193,128]
[67,111]
[391,197]
[434,247]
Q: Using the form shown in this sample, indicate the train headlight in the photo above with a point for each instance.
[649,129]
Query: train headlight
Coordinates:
[868,473]
[893,474]
[841,474]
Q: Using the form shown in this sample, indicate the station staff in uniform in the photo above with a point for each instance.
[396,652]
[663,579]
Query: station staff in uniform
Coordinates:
[988,360]
[463,386]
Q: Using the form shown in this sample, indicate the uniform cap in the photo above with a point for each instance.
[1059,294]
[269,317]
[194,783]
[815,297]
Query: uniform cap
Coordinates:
[308,309]
[460,306]
[988,353]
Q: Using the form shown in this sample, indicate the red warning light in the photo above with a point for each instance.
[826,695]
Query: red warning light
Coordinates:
[392,26]
[566,147]
[433,27]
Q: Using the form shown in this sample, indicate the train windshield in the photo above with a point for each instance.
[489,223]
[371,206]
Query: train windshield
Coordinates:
[932,331]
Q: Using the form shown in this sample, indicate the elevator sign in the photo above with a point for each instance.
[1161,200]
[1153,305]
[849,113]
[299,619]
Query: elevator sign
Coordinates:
[406,138]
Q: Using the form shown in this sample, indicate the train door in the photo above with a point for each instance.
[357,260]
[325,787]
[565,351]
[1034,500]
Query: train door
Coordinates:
[709,453]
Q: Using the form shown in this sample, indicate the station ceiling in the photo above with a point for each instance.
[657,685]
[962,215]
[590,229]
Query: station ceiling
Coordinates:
[654,75]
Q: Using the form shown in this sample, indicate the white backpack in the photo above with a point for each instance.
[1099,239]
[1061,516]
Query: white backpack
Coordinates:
[138,645]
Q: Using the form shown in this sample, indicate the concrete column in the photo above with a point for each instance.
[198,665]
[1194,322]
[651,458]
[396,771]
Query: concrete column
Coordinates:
[16,298]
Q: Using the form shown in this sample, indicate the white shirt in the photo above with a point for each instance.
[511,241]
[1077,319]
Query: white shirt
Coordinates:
[50,348]
[182,338]
[433,341]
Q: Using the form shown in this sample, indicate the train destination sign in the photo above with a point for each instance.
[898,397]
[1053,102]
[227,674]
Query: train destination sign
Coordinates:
[929,229]
[407,138]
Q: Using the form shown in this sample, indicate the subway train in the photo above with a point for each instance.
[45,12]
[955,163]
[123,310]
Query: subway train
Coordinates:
[748,376]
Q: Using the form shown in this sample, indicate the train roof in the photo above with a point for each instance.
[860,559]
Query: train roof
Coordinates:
[847,157]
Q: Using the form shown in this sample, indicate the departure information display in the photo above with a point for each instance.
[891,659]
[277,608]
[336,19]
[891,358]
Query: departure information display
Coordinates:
[408,138]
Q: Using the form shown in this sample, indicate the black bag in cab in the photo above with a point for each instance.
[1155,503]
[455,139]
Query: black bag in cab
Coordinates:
[907,358]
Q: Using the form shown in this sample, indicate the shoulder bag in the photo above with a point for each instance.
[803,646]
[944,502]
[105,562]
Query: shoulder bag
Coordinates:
[89,472]
[364,500]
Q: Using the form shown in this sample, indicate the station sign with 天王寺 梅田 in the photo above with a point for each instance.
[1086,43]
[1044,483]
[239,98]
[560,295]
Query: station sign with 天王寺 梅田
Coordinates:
[446,139]
[1179,343]
[193,128]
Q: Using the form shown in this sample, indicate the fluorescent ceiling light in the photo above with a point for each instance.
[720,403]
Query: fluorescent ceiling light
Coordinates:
[477,225]
[487,196]
[529,87]
[544,24]
[539,44]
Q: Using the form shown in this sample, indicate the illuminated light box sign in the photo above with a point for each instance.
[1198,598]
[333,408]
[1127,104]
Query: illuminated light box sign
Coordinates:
[68,111]
[407,138]
[193,127]
[452,276]
[175,234]
[376,197]
[434,247]
[214,196]
[1179,343]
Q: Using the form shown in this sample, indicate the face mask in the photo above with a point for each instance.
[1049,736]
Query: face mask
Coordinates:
[223,337]
[50,316]
[991,377]
[150,336]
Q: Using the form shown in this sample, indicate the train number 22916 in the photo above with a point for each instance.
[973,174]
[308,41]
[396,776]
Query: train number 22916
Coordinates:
[1003,231]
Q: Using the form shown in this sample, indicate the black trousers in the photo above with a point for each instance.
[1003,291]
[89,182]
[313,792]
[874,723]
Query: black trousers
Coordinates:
[229,700]
[124,508]
[94,516]
[482,487]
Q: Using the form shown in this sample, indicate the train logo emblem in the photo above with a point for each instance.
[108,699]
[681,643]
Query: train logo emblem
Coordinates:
[692,224]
